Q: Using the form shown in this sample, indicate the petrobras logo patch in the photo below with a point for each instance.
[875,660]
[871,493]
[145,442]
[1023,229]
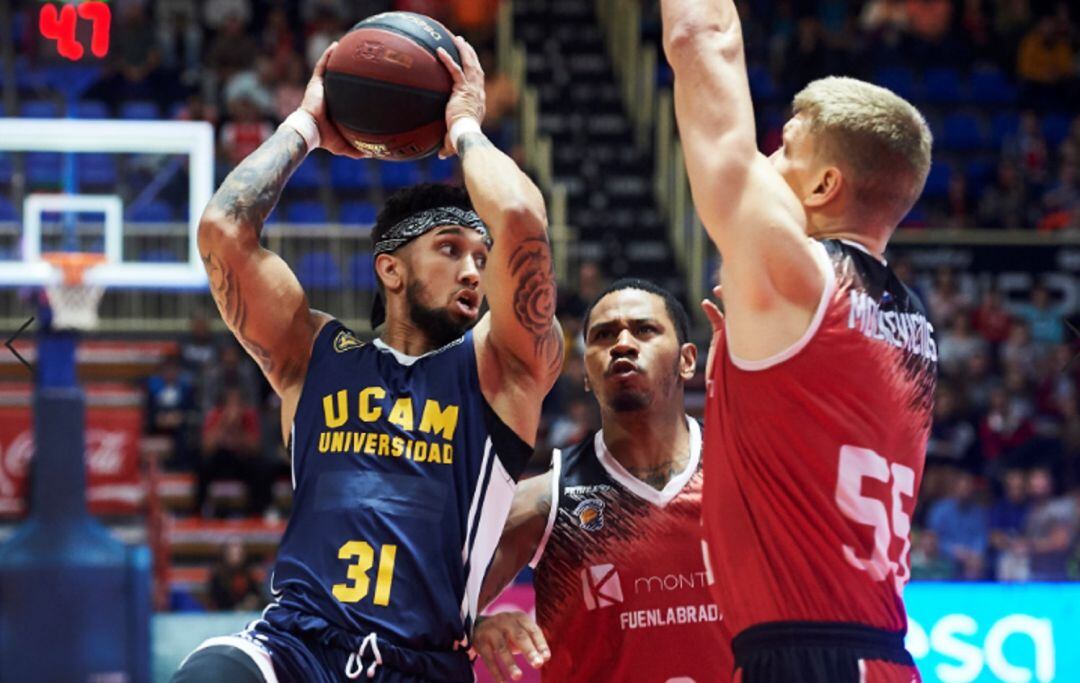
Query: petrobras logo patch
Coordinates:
[590,514]
[601,586]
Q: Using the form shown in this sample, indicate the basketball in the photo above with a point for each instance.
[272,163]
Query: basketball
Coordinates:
[386,89]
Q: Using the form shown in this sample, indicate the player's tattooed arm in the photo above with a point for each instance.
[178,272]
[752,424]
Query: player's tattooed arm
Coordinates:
[521,535]
[259,298]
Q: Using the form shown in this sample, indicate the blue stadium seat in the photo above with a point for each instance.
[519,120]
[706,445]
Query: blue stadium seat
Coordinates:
[6,169]
[761,83]
[441,170]
[7,210]
[900,80]
[962,132]
[1003,126]
[990,86]
[96,169]
[943,85]
[152,212]
[39,109]
[916,218]
[362,272]
[43,168]
[398,174]
[350,174]
[307,175]
[937,183]
[139,109]
[160,256]
[306,212]
[89,109]
[318,270]
[1055,127]
[358,213]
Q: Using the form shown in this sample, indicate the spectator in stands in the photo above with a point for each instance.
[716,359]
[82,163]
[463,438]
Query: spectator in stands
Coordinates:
[475,19]
[278,40]
[324,28]
[255,84]
[808,56]
[952,436]
[245,131]
[289,91]
[958,210]
[502,101]
[233,369]
[886,22]
[1004,203]
[928,25]
[170,405]
[1051,530]
[1008,517]
[219,14]
[234,584]
[1003,429]
[979,382]
[990,320]
[180,36]
[1018,351]
[1069,433]
[1043,318]
[232,50]
[927,561]
[1045,63]
[1061,202]
[231,443]
[962,525]
[945,300]
[957,344]
[572,426]
[134,58]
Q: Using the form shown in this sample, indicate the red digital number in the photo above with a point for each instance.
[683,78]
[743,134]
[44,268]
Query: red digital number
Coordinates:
[59,25]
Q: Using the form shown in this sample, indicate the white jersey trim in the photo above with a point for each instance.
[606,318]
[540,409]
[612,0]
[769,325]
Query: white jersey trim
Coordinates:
[404,358]
[660,498]
[823,260]
[553,513]
[258,655]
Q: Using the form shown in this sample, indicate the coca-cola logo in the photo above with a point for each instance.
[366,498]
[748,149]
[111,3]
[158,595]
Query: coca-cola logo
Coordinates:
[104,455]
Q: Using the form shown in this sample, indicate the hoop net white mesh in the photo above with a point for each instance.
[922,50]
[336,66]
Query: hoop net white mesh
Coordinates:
[74,307]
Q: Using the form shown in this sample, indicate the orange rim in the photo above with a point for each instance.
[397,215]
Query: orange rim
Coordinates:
[73,264]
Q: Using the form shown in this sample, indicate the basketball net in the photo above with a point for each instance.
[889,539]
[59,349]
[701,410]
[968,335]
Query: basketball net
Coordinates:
[74,303]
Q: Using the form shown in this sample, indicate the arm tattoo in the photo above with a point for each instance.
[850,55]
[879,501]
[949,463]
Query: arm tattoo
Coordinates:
[534,297]
[471,140]
[225,288]
[251,191]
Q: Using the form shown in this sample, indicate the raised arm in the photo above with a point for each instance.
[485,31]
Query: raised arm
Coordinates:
[521,535]
[750,212]
[519,342]
[259,297]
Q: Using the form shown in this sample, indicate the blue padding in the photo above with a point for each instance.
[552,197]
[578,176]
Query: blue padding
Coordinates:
[152,212]
[89,109]
[140,109]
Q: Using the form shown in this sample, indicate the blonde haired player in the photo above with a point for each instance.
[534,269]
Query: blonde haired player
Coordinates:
[821,386]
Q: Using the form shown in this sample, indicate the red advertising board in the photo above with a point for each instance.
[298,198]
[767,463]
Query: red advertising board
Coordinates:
[113,425]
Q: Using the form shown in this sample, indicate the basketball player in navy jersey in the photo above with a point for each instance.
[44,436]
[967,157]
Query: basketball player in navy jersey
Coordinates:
[405,451]
[613,529]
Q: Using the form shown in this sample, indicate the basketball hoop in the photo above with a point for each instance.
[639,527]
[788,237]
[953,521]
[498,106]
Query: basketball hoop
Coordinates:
[74,303]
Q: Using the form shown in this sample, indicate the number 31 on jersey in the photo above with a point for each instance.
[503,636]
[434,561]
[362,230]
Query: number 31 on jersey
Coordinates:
[356,589]
[857,464]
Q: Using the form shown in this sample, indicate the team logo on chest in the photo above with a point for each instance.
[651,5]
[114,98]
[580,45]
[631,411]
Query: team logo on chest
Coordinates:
[590,514]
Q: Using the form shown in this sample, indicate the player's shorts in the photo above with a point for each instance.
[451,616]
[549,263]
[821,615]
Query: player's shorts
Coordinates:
[821,652]
[266,654]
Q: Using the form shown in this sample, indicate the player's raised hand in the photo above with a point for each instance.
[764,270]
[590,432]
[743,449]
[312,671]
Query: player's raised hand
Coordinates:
[468,98]
[499,637]
[314,103]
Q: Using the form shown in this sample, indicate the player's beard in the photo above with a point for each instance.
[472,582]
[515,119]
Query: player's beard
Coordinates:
[437,323]
[632,400]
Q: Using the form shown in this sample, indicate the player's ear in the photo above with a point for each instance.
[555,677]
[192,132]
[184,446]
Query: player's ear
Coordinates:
[390,269]
[687,361]
[829,184]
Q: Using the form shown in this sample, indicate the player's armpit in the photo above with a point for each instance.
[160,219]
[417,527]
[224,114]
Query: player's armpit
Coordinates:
[521,535]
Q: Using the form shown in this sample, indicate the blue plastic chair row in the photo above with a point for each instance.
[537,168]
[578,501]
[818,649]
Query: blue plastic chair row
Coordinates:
[944,85]
[89,109]
[320,271]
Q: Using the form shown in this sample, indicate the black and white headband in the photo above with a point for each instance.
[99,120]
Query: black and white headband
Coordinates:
[421,222]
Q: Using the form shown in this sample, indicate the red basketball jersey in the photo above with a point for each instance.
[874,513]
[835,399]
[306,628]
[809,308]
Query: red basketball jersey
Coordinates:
[622,591]
[814,457]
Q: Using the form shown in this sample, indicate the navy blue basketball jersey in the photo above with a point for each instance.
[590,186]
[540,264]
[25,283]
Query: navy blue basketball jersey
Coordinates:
[403,477]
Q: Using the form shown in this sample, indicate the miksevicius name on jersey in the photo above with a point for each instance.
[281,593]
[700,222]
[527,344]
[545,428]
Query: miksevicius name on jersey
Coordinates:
[369,405]
[911,332]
